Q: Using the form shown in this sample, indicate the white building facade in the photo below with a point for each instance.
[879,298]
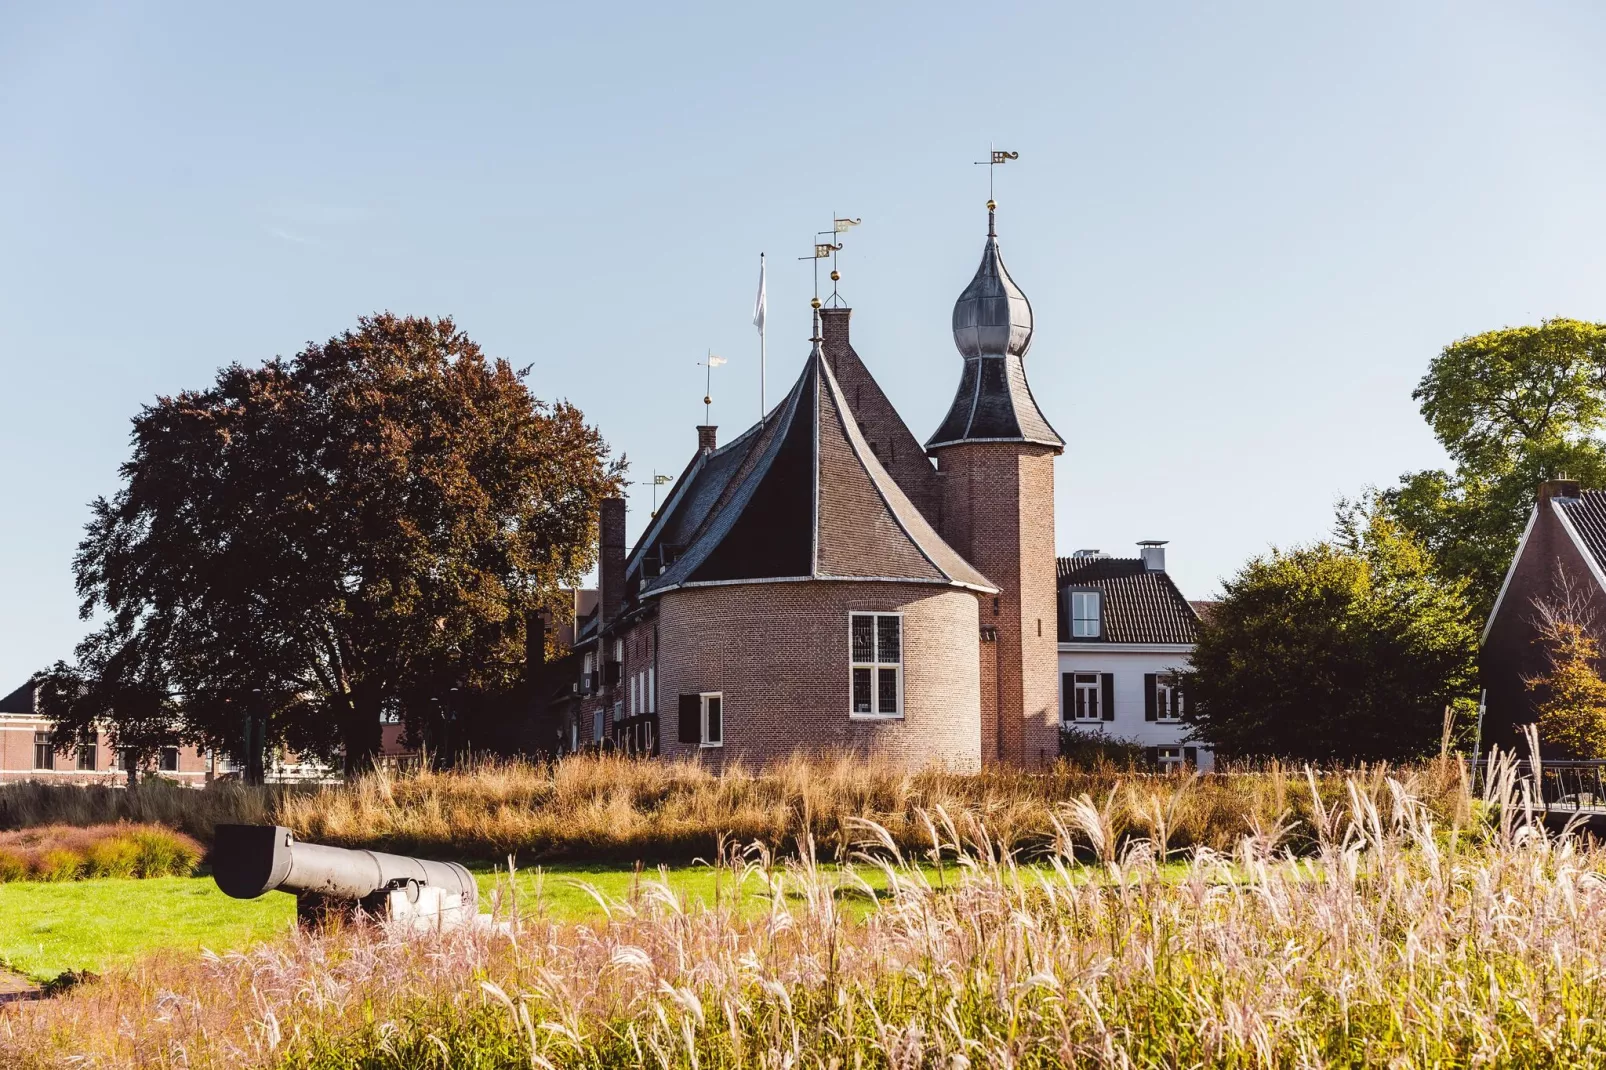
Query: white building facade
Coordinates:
[1126,634]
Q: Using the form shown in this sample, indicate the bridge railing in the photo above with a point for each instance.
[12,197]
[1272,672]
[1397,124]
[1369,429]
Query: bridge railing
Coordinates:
[1567,784]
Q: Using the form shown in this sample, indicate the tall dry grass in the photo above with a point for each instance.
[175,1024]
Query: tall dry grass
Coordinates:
[613,808]
[1399,941]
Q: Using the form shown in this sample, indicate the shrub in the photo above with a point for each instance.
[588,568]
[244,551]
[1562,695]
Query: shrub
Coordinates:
[161,853]
[13,865]
[58,864]
[1082,747]
[115,856]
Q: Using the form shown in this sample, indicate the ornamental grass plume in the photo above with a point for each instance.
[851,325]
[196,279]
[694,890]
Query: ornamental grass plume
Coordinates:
[1398,939]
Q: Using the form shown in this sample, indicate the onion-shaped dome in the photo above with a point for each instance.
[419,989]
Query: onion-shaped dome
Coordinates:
[992,318]
[993,330]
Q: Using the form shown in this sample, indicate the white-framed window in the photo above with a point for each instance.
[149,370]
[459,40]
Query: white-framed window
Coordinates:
[44,753]
[88,754]
[1167,698]
[619,651]
[1169,759]
[652,689]
[619,710]
[713,715]
[1085,606]
[635,693]
[1085,697]
[876,654]
[596,725]
[168,762]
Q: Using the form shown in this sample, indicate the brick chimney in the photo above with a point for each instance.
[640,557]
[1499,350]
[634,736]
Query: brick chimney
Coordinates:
[1557,488]
[834,336]
[705,437]
[611,558]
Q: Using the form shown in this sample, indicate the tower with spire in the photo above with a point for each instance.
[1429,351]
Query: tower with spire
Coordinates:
[995,455]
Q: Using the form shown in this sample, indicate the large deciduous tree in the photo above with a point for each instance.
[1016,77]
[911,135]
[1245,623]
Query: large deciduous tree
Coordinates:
[1513,408]
[1338,651]
[323,539]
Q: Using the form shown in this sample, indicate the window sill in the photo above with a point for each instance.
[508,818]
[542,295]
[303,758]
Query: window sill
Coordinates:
[852,716]
[711,746]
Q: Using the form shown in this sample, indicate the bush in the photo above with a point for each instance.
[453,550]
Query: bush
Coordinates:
[1081,747]
[65,852]
[58,864]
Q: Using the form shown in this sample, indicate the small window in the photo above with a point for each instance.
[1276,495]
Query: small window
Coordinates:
[1169,759]
[169,760]
[713,720]
[1085,615]
[619,710]
[44,753]
[652,689]
[596,725]
[87,754]
[1086,704]
[876,642]
[1167,698]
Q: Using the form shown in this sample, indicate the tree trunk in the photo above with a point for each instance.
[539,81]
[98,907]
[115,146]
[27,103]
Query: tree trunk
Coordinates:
[360,732]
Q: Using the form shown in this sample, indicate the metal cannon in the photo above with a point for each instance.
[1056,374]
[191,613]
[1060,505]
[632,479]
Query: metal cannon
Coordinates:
[251,860]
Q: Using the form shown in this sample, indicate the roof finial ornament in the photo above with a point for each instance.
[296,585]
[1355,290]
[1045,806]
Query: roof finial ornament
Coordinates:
[829,248]
[708,364]
[995,159]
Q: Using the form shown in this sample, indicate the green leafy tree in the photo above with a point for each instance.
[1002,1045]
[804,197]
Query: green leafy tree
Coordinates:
[1513,408]
[324,539]
[1342,650]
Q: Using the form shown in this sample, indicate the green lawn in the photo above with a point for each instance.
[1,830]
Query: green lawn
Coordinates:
[89,925]
[93,924]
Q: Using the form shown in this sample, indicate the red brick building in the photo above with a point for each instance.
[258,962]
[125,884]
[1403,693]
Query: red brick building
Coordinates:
[26,752]
[1560,563]
[823,581]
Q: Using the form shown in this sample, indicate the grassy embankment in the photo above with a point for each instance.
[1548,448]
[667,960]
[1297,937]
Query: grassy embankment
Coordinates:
[1399,938]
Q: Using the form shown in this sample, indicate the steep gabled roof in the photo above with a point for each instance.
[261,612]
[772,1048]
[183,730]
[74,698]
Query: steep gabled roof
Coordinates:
[21,700]
[803,498]
[1140,605]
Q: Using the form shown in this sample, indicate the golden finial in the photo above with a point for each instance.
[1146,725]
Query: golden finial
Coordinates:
[991,207]
[707,400]
[814,302]
[836,276]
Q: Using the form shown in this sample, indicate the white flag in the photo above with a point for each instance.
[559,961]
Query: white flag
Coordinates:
[761,305]
[716,362]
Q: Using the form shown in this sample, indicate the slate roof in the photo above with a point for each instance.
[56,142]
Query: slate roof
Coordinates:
[1588,515]
[1139,605]
[20,700]
[799,496]
[992,325]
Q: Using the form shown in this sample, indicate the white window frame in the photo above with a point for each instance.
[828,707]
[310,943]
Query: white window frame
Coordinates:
[1092,684]
[597,717]
[652,689]
[1098,614]
[1167,698]
[91,752]
[876,665]
[1168,759]
[702,704]
[49,751]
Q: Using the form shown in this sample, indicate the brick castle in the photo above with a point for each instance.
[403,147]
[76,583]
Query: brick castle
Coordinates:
[825,582]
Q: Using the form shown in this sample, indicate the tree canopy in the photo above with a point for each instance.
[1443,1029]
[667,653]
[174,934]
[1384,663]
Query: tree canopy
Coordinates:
[326,538]
[1342,650]
[1513,408]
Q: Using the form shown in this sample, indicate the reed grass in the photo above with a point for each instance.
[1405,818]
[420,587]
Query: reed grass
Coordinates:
[1398,939]
[608,808]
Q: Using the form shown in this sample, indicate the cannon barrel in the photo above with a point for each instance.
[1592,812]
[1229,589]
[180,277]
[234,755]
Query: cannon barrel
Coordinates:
[248,860]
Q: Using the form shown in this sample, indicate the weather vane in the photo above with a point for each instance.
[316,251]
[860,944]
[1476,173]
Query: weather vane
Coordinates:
[997,159]
[829,248]
[708,364]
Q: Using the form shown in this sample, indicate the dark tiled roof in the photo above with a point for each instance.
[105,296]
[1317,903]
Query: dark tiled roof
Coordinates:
[1588,514]
[802,497]
[1139,605]
[20,700]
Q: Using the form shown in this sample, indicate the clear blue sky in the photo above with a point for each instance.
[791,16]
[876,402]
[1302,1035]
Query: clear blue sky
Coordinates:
[1245,228]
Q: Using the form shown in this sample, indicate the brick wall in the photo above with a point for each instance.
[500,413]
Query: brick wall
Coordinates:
[1513,649]
[779,655]
[998,511]
[17,758]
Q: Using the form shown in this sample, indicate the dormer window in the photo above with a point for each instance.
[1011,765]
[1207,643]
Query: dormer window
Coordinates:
[1086,607]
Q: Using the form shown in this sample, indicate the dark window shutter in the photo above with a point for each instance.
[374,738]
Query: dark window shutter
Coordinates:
[1107,698]
[1154,756]
[1067,696]
[1151,698]
[1190,755]
[691,719]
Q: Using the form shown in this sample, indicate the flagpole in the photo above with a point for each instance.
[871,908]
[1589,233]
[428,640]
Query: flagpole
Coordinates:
[762,409]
